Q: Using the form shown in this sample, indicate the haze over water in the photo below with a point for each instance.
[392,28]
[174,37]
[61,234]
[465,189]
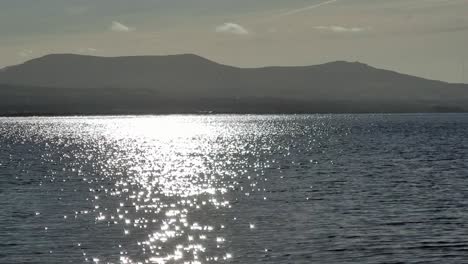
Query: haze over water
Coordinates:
[234,189]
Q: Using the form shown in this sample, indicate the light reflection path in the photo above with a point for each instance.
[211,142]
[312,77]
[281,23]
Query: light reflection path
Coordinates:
[170,173]
[157,189]
[163,181]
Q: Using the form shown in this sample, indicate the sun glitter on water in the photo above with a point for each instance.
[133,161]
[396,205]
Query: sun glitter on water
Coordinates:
[170,174]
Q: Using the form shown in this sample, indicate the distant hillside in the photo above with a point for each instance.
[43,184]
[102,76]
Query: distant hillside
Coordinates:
[76,84]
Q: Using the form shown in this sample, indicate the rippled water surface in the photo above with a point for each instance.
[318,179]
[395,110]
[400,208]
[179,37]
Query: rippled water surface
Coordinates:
[234,189]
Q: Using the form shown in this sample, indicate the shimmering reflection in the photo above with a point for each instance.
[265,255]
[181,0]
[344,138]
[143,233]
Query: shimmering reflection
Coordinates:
[163,170]
[157,179]
[238,189]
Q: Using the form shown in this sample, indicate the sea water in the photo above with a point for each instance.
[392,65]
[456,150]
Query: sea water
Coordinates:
[234,189]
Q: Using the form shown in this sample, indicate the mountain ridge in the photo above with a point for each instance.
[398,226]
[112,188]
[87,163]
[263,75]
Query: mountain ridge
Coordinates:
[192,56]
[200,58]
[179,81]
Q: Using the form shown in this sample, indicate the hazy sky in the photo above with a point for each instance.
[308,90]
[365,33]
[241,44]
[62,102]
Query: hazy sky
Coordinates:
[427,38]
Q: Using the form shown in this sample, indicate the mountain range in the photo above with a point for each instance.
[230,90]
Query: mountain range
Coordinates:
[67,84]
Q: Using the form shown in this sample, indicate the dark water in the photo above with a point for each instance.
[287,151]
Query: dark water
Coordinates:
[237,189]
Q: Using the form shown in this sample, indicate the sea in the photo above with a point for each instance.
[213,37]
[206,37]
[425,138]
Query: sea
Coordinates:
[365,188]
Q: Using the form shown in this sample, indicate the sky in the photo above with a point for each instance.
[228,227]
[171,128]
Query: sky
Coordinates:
[427,38]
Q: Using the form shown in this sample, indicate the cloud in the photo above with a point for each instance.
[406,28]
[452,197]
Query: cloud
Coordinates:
[341,29]
[119,27]
[25,53]
[232,28]
[295,11]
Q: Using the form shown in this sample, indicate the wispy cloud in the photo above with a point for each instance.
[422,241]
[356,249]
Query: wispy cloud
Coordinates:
[342,29]
[295,11]
[119,27]
[232,28]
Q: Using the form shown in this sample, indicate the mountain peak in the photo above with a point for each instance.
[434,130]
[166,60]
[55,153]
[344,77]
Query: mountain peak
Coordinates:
[74,55]
[79,59]
[58,57]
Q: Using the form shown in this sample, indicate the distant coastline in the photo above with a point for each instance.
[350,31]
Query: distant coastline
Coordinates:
[67,84]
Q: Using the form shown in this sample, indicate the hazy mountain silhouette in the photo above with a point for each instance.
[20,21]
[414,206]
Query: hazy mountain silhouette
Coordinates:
[77,84]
